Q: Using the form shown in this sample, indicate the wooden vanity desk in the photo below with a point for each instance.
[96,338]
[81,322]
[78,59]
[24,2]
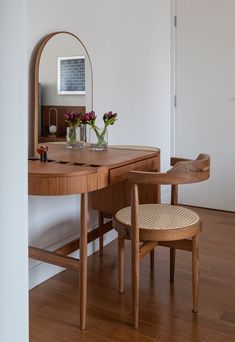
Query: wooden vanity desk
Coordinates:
[81,171]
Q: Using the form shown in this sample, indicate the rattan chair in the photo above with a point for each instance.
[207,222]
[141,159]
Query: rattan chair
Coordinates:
[169,225]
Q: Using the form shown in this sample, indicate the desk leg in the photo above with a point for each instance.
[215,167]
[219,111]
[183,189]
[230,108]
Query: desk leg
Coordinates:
[101,238]
[83,260]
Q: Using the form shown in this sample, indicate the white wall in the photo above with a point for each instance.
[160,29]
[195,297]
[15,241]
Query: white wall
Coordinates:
[13,178]
[129,45]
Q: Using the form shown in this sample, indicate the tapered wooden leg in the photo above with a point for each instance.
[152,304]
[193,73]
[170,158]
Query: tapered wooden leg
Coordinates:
[135,280]
[101,238]
[172,265]
[83,260]
[152,258]
[195,271]
[135,255]
[121,257]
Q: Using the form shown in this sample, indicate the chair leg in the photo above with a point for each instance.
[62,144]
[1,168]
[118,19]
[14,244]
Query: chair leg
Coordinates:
[101,238]
[172,264]
[135,277]
[121,251]
[152,259]
[195,271]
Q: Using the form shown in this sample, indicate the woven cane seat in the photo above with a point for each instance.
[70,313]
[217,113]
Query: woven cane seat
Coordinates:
[159,217]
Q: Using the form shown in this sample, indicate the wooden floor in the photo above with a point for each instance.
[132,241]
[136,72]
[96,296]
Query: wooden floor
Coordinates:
[165,308]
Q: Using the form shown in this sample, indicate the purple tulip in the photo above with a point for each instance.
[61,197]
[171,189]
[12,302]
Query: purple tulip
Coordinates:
[109,118]
[92,115]
[88,118]
[72,118]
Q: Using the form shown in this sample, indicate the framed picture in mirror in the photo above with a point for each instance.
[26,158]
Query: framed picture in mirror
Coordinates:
[71,75]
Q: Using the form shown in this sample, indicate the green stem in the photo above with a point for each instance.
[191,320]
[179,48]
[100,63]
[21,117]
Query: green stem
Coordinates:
[100,136]
[72,134]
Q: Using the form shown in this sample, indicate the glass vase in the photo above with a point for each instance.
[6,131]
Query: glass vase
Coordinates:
[75,137]
[98,139]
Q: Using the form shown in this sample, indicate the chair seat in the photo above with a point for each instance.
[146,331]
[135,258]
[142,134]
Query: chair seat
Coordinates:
[159,217]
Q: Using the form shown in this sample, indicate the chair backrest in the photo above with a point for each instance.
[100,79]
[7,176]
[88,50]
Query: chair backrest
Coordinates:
[184,171]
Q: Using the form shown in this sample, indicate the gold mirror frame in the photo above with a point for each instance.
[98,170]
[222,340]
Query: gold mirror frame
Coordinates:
[38,54]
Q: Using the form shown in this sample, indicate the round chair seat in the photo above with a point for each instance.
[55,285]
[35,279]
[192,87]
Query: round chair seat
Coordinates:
[161,218]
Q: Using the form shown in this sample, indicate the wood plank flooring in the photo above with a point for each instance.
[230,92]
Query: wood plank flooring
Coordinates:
[165,309]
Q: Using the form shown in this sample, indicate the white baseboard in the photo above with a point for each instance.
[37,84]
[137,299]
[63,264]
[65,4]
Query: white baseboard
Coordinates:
[41,271]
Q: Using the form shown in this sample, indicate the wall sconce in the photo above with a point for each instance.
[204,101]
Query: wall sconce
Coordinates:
[52,128]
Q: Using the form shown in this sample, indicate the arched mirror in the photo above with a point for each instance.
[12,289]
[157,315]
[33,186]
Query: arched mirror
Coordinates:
[63,82]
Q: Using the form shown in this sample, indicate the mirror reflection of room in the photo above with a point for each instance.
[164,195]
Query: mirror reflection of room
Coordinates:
[76,94]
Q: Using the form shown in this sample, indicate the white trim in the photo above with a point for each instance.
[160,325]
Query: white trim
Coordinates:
[173,77]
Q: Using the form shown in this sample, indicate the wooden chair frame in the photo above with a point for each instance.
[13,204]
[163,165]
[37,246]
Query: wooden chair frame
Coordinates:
[184,171]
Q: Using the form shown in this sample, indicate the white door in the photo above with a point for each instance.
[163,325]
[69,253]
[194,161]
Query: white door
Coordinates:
[205,88]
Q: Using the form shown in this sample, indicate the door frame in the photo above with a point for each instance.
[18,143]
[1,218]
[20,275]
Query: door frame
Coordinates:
[173,21]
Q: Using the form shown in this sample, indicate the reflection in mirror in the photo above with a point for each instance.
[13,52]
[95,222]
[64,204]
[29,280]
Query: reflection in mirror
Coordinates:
[63,83]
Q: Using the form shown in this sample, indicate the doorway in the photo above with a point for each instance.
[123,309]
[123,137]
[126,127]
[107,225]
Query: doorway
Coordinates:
[204,113]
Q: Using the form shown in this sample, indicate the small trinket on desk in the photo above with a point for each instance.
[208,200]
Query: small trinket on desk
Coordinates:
[42,151]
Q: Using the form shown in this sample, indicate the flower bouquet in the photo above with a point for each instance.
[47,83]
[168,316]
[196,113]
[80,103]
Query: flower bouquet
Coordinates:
[98,136]
[75,131]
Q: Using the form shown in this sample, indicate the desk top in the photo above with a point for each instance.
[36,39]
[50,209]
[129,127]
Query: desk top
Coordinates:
[111,157]
[81,170]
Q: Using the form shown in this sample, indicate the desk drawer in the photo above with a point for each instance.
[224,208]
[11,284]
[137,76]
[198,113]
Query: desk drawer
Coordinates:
[120,174]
